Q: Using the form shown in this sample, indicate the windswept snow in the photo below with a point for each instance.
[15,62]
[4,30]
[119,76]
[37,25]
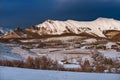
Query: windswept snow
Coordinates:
[5,53]
[22,52]
[7,73]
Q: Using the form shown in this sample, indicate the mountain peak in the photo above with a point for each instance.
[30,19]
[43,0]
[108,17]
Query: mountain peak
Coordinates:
[101,19]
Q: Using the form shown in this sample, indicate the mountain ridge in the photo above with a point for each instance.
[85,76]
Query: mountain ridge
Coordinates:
[60,27]
[95,28]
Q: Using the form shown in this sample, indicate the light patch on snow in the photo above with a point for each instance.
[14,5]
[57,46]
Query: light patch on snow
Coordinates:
[71,66]
[89,41]
[111,54]
[109,45]
[30,40]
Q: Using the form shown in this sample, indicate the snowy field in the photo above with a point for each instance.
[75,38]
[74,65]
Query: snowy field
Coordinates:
[7,73]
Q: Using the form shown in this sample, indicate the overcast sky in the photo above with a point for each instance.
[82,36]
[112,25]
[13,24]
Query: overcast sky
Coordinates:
[30,12]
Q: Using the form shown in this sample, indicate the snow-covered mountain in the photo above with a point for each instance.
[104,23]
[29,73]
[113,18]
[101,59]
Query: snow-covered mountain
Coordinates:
[101,27]
[4,30]
[96,27]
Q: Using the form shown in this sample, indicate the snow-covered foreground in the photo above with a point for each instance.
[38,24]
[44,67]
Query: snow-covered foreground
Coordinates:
[7,73]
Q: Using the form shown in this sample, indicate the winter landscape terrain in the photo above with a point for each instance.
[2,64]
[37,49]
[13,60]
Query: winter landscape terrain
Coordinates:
[92,46]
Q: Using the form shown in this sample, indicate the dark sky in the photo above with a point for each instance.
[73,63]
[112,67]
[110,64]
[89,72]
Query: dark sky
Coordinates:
[30,12]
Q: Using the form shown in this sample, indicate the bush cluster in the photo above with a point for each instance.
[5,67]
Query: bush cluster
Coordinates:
[32,63]
[100,64]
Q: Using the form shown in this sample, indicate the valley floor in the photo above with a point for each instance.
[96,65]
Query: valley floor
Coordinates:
[8,73]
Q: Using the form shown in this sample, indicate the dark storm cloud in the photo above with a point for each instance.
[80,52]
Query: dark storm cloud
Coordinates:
[24,12]
[30,12]
[89,9]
